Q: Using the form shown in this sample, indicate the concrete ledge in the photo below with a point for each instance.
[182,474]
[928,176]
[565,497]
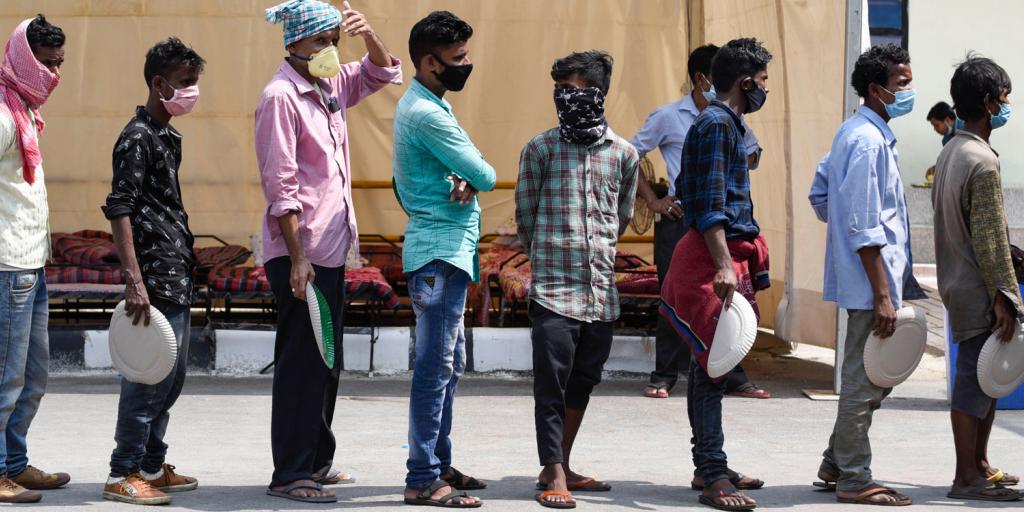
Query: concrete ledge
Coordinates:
[504,348]
[494,349]
[243,351]
[96,350]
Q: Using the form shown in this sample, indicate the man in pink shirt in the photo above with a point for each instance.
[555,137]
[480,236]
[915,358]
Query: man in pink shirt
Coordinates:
[303,152]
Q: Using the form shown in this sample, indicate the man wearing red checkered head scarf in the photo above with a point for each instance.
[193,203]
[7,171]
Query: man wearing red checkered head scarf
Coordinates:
[29,73]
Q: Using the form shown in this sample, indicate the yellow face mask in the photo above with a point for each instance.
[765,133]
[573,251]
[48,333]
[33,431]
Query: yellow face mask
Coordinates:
[325,63]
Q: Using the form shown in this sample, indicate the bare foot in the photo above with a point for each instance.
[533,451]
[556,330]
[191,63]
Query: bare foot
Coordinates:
[724,493]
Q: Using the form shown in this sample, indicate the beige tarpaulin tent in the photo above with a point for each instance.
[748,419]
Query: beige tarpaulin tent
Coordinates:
[508,100]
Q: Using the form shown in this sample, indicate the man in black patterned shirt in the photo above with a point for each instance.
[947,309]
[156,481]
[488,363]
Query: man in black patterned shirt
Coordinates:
[154,243]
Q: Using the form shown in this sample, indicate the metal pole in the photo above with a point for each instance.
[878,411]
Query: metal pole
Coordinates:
[855,12]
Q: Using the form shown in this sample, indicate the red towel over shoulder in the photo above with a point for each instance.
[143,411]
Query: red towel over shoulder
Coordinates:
[688,300]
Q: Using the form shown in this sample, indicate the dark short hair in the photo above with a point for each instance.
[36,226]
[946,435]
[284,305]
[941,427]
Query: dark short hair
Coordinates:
[593,67]
[975,80]
[43,34]
[941,111]
[700,61]
[739,57]
[873,66]
[163,58]
[439,29]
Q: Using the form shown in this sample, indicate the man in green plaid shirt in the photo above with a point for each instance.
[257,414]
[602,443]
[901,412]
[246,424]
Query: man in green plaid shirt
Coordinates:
[574,198]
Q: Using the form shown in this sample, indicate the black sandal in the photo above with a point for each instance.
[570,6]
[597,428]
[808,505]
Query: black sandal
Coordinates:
[462,482]
[446,501]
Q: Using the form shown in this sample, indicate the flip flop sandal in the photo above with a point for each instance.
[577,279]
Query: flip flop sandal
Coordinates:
[704,500]
[751,391]
[462,482]
[978,494]
[334,477]
[1003,479]
[287,494]
[864,498]
[586,485]
[569,503]
[734,479]
[424,499]
[589,484]
[656,391]
[828,481]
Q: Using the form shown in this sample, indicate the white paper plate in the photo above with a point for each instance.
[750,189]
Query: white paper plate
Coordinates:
[144,355]
[1001,365]
[323,325]
[734,336]
[889,362]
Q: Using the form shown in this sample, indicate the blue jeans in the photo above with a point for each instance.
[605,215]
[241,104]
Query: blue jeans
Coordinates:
[144,410]
[704,405]
[438,291]
[24,361]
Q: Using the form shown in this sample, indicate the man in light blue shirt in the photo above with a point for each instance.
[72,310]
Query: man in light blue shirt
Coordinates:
[665,129]
[437,172]
[858,191]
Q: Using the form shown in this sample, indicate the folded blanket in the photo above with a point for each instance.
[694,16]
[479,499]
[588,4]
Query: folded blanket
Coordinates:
[85,248]
[641,280]
[479,295]
[688,299]
[211,257]
[359,282]
[80,275]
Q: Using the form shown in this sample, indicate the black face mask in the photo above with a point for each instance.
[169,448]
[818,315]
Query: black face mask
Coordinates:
[454,76]
[755,98]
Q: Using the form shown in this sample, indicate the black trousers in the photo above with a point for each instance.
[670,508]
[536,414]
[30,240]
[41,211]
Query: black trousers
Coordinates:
[671,353]
[568,358]
[305,390]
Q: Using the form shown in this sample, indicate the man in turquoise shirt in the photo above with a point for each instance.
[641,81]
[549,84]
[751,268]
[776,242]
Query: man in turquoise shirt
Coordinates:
[438,172]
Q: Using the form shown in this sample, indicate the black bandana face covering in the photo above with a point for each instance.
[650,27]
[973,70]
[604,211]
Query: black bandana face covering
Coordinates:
[580,114]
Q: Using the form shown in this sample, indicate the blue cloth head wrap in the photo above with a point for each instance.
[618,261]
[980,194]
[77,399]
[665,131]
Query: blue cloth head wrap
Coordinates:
[304,18]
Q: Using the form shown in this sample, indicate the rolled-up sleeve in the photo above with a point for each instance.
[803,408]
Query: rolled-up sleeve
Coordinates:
[818,195]
[450,144]
[866,173]
[361,78]
[276,141]
[131,154]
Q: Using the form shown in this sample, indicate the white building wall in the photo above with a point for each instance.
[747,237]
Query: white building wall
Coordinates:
[941,33]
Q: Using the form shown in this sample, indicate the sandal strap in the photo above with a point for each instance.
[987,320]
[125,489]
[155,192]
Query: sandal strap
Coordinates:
[562,494]
[425,494]
[448,498]
[294,486]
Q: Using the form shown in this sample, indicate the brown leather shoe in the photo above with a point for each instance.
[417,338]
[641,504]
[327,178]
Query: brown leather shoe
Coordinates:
[11,492]
[173,482]
[39,480]
[134,489]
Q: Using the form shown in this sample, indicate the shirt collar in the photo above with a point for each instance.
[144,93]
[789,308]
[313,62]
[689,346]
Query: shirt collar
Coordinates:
[965,133]
[422,91]
[735,118]
[688,105]
[143,115]
[890,138]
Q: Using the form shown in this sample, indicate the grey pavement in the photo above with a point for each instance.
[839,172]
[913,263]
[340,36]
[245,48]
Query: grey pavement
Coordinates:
[220,433]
